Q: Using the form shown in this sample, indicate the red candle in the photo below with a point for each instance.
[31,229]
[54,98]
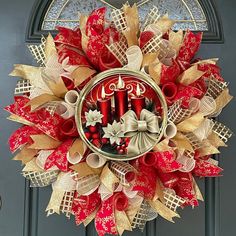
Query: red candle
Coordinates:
[121,99]
[138,102]
[104,106]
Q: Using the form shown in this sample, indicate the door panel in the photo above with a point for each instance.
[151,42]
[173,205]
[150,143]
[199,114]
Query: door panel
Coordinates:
[23,210]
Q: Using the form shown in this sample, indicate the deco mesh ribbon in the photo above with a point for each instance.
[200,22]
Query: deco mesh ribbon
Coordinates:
[119,195]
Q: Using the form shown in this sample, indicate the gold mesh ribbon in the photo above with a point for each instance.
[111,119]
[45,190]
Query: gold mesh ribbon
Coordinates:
[66,204]
[38,51]
[41,178]
[215,87]
[151,18]
[172,201]
[118,49]
[120,170]
[194,141]
[176,113]
[222,131]
[23,86]
[87,184]
[118,18]
[37,176]
[140,218]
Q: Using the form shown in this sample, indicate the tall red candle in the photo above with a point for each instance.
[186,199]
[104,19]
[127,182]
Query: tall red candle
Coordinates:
[138,102]
[121,99]
[104,106]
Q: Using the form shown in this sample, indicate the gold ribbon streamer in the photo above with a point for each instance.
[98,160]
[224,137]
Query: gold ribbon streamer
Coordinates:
[197,191]
[122,222]
[215,140]
[55,202]
[32,166]
[132,21]
[159,194]
[25,155]
[165,23]
[77,148]
[42,141]
[190,75]
[222,100]
[155,71]
[208,149]
[83,22]
[163,211]
[58,88]
[133,207]
[108,178]
[90,217]
[162,146]
[50,47]
[82,73]
[30,73]
[41,100]
[176,40]
[19,119]
[182,142]
[84,170]
[148,59]
[191,123]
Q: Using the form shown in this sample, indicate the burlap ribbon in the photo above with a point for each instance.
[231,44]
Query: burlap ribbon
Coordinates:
[143,132]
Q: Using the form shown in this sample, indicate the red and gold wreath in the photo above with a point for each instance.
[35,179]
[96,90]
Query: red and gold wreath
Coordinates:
[119,119]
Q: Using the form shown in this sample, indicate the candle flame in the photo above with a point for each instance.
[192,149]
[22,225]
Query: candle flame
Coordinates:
[120,83]
[138,90]
[103,95]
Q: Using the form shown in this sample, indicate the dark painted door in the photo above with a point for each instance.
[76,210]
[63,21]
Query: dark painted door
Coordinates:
[23,209]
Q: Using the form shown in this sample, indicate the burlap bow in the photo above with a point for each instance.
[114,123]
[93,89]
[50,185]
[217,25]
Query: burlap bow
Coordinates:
[143,132]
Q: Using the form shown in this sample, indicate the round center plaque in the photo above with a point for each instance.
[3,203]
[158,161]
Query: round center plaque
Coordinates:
[121,114]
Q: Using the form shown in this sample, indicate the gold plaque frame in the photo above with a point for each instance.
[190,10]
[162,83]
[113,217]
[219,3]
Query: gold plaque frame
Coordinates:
[101,76]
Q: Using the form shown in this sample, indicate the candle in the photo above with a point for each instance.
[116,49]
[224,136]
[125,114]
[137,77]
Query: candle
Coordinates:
[104,106]
[138,102]
[121,99]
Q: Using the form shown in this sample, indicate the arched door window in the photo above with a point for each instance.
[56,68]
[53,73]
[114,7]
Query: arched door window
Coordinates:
[196,15]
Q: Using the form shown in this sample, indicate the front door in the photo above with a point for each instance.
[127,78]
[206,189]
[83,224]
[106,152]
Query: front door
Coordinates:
[23,208]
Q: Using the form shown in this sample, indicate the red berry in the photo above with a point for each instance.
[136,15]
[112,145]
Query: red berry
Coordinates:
[95,136]
[118,148]
[104,140]
[93,129]
[87,135]
[123,146]
[97,143]
[121,151]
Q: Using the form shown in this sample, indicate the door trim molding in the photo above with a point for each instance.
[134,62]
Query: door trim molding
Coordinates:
[213,35]
[30,225]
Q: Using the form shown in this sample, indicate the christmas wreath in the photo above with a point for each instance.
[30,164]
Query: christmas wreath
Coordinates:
[119,118]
